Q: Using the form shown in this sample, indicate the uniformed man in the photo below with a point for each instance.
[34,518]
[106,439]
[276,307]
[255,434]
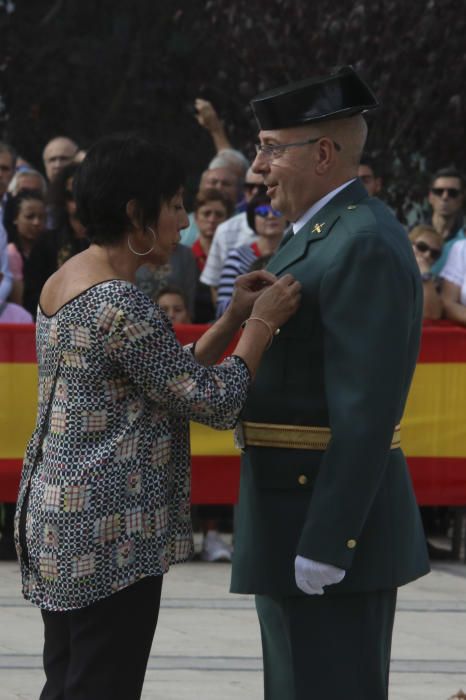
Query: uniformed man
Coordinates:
[328,526]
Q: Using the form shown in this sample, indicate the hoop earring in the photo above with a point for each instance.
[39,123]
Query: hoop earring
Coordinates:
[135,252]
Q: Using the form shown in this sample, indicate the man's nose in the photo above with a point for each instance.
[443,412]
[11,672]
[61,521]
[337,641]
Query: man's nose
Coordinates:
[259,165]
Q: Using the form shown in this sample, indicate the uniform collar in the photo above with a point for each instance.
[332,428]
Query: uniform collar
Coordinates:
[318,226]
[313,210]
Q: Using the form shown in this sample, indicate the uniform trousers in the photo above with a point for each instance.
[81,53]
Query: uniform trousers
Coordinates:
[100,652]
[327,647]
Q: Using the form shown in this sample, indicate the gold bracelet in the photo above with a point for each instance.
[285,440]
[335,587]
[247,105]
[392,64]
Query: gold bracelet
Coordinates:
[266,324]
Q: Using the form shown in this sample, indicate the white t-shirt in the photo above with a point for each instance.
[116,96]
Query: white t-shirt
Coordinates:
[455,268]
[231,234]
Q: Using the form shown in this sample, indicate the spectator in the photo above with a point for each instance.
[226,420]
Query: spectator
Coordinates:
[27,178]
[446,197]
[427,247]
[453,277]
[7,169]
[171,300]
[370,176]
[181,271]
[223,179]
[58,152]
[56,246]
[269,226]
[233,160]
[28,220]
[231,234]
[211,208]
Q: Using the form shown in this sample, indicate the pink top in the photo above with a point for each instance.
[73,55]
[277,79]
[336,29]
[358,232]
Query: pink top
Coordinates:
[13,313]
[15,261]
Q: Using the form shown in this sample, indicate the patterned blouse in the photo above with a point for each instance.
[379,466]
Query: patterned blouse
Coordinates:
[107,467]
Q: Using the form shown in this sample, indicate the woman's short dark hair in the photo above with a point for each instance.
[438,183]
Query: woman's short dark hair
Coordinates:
[117,169]
[256,201]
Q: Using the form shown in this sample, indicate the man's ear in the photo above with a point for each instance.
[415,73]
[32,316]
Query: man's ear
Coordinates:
[133,213]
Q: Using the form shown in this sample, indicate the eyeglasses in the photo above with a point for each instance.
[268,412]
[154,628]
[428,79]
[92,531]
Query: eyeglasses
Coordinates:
[270,151]
[264,210]
[452,192]
[422,247]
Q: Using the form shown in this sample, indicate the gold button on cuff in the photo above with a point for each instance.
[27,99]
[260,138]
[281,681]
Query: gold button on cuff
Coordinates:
[351,544]
[302,479]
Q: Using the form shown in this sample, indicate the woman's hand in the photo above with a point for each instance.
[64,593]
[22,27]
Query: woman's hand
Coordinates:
[248,288]
[278,302]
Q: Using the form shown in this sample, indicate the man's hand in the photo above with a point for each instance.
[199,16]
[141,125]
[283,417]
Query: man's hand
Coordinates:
[311,576]
[206,115]
[247,289]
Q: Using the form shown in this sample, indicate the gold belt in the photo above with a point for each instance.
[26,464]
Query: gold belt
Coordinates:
[297,437]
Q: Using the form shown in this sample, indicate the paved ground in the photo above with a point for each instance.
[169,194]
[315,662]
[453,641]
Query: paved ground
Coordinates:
[207,643]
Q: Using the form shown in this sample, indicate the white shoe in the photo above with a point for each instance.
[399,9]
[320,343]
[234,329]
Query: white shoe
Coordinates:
[214,548]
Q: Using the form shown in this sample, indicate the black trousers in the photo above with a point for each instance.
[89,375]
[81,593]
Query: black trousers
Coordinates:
[100,652]
[327,647]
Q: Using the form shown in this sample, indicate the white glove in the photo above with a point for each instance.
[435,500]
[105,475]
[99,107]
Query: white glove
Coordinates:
[311,576]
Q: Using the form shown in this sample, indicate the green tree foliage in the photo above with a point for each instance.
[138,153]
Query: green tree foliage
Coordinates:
[85,68]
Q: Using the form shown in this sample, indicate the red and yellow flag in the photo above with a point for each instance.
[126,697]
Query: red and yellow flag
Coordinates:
[433,432]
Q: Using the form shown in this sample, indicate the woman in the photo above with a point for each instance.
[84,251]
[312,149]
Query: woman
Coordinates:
[211,208]
[427,248]
[66,237]
[103,506]
[28,224]
[269,226]
[454,284]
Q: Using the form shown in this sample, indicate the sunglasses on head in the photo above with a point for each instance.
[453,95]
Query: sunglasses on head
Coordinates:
[451,191]
[422,247]
[264,210]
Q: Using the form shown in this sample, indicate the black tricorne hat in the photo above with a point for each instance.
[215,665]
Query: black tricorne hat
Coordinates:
[341,94]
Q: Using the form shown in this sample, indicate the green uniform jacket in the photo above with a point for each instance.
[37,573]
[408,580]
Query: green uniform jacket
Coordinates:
[345,360]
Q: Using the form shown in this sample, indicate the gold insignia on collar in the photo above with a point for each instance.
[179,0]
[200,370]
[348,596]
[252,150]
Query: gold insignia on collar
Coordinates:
[351,207]
[318,228]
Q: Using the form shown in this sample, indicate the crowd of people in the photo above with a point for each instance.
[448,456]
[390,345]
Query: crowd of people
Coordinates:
[232,229]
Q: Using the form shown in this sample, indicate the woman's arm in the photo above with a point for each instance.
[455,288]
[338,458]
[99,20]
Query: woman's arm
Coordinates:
[454,310]
[213,343]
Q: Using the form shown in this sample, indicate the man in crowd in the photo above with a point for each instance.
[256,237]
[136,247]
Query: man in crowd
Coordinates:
[218,176]
[371,178]
[328,526]
[446,197]
[58,152]
[231,234]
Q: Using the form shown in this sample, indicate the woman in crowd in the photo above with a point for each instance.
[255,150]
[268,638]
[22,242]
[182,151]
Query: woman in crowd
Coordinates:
[103,505]
[27,225]
[211,208]
[269,226]
[66,235]
[427,247]
[454,284]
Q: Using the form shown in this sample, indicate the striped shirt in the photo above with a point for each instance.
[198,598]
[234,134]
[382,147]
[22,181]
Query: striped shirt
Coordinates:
[238,262]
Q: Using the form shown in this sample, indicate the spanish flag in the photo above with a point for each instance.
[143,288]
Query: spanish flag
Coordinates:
[433,432]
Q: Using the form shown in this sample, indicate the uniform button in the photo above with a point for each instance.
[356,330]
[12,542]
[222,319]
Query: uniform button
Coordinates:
[351,544]
[302,479]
